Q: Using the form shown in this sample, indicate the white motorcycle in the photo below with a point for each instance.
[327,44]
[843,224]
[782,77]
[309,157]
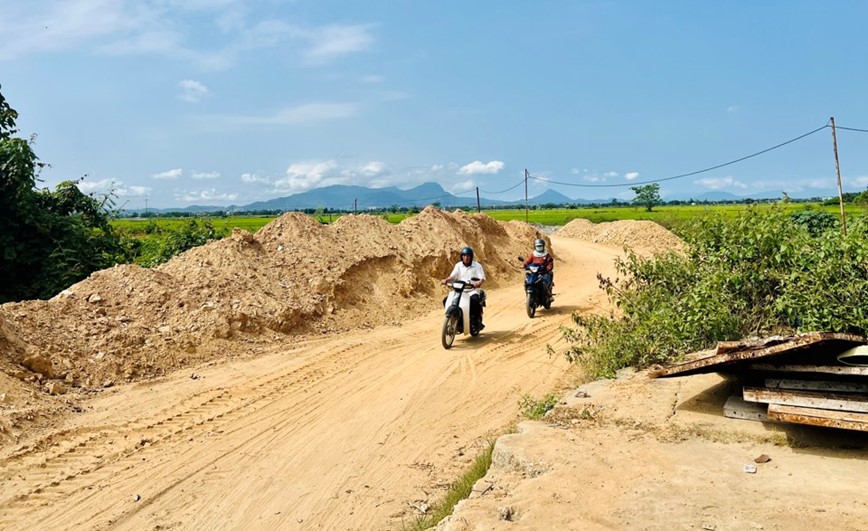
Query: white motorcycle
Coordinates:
[458,319]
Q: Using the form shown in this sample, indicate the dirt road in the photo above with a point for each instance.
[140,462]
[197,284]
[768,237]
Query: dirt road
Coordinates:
[342,432]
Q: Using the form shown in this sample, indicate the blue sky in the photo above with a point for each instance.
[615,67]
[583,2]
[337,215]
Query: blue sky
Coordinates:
[219,102]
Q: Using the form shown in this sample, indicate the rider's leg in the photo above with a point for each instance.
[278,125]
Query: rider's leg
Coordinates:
[476,310]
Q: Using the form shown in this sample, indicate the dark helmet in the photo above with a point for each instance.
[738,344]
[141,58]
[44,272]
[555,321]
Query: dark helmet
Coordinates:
[468,251]
[539,245]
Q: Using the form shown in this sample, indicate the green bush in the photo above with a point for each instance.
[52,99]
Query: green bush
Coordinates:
[154,250]
[536,409]
[48,239]
[816,221]
[760,272]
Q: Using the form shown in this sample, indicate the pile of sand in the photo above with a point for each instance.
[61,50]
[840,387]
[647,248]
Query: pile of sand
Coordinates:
[294,276]
[640,235]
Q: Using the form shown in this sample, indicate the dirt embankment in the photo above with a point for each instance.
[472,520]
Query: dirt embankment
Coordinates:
[294,276]
[639,235]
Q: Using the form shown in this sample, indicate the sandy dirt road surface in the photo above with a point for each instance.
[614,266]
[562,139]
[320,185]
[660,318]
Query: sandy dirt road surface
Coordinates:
[349,431]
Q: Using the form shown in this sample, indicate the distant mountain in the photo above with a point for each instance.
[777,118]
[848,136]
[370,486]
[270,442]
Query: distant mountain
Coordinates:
[344,197]
[550,197]
[556,198]
[348,197]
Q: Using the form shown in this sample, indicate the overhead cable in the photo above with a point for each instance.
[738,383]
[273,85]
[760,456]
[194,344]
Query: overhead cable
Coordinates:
[851,129]
[681,176]
[513,187]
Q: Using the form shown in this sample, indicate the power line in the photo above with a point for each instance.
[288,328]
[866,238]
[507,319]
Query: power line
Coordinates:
[681,176]
[516,185]
[851,129]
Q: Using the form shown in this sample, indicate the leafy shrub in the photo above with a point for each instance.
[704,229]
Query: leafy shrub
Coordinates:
[760,272]
[48,239]
[536,409]
[153,251]
[816,221]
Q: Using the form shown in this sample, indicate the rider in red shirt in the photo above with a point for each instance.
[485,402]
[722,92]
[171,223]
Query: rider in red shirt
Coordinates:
[543,258]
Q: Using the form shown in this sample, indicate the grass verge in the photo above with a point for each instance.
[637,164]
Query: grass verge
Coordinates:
[459,490]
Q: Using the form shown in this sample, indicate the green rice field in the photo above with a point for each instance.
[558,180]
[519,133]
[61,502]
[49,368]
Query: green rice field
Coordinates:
[668,216]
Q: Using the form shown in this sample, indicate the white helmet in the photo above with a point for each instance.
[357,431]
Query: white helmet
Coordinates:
[539,245]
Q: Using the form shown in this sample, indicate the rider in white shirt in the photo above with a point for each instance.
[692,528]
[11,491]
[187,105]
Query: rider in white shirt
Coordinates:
[467,270]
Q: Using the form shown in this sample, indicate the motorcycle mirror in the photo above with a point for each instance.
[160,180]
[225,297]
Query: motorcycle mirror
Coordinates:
[521,259]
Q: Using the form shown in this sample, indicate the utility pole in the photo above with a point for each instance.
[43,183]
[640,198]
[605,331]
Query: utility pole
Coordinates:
[525,195]
[478,206]
[838,171]
[146,207]
[355,204]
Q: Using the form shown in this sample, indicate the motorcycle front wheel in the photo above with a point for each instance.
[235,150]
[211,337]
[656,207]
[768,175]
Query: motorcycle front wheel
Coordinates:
[530,306]
[447,336]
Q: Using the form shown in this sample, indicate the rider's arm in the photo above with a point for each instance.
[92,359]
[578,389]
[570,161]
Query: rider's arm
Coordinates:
[480,274]
[452,276]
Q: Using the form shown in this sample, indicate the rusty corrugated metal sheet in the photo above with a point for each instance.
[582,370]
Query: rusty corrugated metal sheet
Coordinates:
[732,353]
[846,420]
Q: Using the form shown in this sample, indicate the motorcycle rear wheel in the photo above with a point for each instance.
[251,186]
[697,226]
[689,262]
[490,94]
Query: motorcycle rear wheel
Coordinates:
[447,336]
[530,306]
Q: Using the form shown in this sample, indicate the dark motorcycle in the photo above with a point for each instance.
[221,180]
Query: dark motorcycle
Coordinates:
[537,293]
[458,315]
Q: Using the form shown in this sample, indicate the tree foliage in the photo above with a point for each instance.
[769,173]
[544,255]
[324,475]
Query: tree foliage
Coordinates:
[647,195]
[762,272]
[48,239]
[164,244]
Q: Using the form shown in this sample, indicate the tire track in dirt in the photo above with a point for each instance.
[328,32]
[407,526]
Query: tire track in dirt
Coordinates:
[33,479]
[343,432]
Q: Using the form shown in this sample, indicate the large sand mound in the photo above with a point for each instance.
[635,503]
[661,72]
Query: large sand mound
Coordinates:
[641,235]
[294,276]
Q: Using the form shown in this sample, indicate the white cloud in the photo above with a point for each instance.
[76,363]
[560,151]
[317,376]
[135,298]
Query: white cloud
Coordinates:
[477,167]
[610,174]
[632,175]
[828,183]
[33,27]
[253,178]
[169,174]
[192,91]
[574,171]
[113,186]
[301,114]
[303,176]
[372,78]
[733,108]
[332,41]
[373,169]
[167,27]
[437,167]
[593,178]
[719,183]
[96,186]
[205,175]
[134,191]
[860,181]
[463,186]
[207,195]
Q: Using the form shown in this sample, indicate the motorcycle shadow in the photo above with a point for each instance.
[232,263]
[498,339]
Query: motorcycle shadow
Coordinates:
[558,310]
[487,336]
